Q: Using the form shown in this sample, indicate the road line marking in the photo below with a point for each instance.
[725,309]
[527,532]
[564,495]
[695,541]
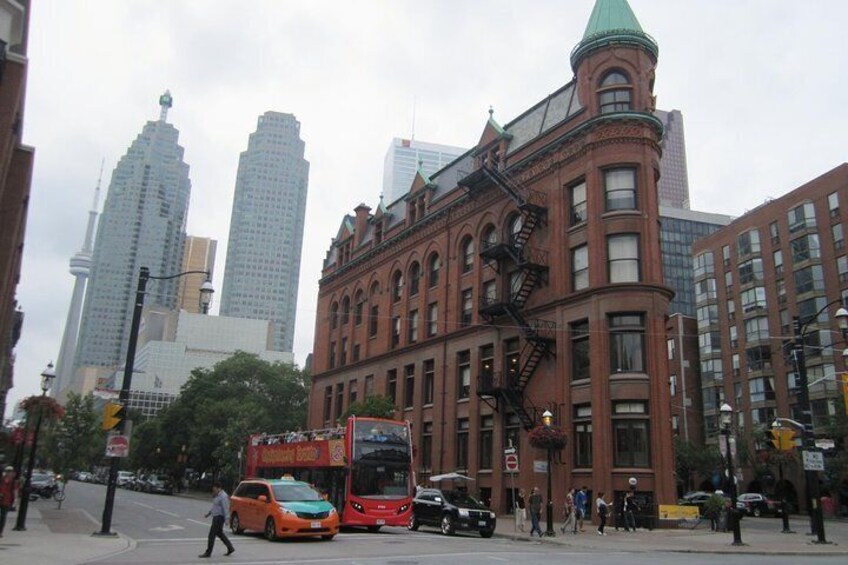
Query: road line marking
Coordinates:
[143,505]
[197,522]
[168,513]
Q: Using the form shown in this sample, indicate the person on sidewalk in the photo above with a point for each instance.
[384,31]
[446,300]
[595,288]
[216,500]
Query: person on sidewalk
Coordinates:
[520,511]
[630,510]
[570,518]
[535,511]
[8,486]
[219,512]
[581,504]
[603,512]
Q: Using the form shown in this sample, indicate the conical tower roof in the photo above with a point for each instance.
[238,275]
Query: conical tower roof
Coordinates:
[612,22]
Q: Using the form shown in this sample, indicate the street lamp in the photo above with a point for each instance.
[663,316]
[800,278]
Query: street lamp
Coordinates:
[547,421]
[726,420]
[808,437]
[783,513]
[144,276]
[47,377]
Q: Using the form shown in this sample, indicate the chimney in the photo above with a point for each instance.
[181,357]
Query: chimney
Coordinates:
[362,213]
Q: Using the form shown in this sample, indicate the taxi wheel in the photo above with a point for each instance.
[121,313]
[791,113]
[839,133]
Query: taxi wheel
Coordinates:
[447,525]
[413,524]
[270,530]
[373,529]
[235,524]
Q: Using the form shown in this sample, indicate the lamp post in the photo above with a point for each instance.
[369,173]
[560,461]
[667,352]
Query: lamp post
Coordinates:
[808,437]
[547,420]
[726,419]
[47,377]
[144,276]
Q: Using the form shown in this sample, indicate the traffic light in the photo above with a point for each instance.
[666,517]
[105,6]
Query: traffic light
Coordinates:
[113,415]
[783,439]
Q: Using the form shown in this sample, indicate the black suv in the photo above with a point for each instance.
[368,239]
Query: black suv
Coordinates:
[450,511]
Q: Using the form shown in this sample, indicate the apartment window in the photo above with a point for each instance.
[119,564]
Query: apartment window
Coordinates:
[706,316]
[373,319]
[486,447]
[462,443]
[734,364]
[833,204]
[807,310]
[489,239]
[343,353]
[511,361]
[463,363]
[627,343]
[709,342]
[753,299]
[809,279]
[328,403]
[805,248]
[356,351]
[583,435]
[391,385]
[397,286]
[432,319]
[774,232]
[761,389]
[580,350]
[838,237]
[705,290]
[620,189]
[345,310]
[467,307]
[395,331]
[467,254]
[579,209]
[630,433]
[512,431]
[728,281]
[802,217]
[429,381]
[334,315]
[748,243]
[672,385]
[580,267]
[352,391]
[357,308]
[751,271]
[734,337]
[414,279]
[339,400]
[756,329]
[623,253]
[614,93]
[670,347]
[427,445]
[434,265]
[712,370]
[409,386]
[487,365]
[725,254]
[731,310]
[702,264]
[332,355]
[758,358]
[490,293]
[712,397]
[369,386]
[412,330]
[842,269]
[778,263]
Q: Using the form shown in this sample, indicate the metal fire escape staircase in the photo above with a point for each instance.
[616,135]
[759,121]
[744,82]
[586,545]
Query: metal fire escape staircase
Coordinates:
[531,269]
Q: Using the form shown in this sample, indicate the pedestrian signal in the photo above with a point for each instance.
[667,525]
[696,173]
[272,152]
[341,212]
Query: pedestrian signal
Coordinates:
[113,415]
[783,439]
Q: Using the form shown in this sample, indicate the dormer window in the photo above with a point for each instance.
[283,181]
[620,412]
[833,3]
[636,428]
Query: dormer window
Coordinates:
[615,93]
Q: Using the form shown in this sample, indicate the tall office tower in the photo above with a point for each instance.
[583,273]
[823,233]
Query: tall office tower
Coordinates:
[402,162]
[266,228]
[198,255]
[80,267]
[674,177]
[142,225]
[15,177]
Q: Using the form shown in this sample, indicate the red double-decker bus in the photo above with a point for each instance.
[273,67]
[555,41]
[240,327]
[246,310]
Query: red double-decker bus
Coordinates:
[364,468]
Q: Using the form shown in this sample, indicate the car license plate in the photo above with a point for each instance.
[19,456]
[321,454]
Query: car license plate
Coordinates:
[381,522]
[316,525]
[481,523]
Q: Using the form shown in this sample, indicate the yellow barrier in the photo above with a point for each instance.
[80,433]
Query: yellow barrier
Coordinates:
[674,512]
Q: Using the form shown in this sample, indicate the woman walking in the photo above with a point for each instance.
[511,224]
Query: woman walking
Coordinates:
[603,512]
[570,523]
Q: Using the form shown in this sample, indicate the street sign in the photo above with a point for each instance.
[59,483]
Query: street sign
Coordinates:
[117,446]
[509,450]
[813,460]
[540,466]
[511,462]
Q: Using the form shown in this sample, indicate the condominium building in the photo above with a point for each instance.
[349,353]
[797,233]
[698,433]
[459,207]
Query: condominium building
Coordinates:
[405,157]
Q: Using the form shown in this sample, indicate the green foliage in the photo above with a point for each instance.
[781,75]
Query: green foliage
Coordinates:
[76,442]
[375,406]
[836,465]
[713,506]
[691,459]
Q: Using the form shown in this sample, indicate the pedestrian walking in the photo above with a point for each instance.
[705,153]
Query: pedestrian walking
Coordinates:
[603,512]
[535,511]
[630,510]
[570,517]
[8,486]
[581,505]
[219,512]
[520,511]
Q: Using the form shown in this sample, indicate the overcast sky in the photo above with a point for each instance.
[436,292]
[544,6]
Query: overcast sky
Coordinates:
[761,83]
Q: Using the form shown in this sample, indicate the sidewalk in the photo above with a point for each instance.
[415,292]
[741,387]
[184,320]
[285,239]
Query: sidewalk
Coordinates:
[764,539]
[58,537]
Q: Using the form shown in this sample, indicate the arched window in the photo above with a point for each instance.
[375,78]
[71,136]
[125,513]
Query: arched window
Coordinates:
[414,278]
[334,315]
[615,92]
[490,237]
[345,310]
[467,254]
[433,267]
[514,225]
[397,285]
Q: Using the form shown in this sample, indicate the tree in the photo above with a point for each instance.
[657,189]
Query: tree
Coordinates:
[374,406]
[691,459]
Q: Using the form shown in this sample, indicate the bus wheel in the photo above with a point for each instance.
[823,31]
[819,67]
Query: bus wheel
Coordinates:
[270,530]
[413,523]
[447,525]
[374,529]
[235,524]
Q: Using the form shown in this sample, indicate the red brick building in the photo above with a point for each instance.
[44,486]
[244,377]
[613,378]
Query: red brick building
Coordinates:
[524,276]
[16,162]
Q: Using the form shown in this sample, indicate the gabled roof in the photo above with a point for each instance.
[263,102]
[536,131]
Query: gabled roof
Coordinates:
[345,229]
[493,131]
[612,22]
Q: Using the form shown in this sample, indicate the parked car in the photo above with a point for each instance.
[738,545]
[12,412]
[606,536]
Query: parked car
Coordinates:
[696,498]
[756,504]
[156,484]
[450,511]
[84,476]
[43,484]
[282,508]
[125,479]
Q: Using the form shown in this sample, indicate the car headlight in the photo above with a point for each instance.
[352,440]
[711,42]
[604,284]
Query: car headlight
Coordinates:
[287,511]
[463,513]
[492,515]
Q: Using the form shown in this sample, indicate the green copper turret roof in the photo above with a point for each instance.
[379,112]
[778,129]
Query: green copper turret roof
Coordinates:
[612,22]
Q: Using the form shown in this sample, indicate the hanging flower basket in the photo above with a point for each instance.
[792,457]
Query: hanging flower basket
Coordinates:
[51,410]
[547,437]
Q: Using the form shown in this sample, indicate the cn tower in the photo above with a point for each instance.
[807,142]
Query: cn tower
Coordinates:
[80,266]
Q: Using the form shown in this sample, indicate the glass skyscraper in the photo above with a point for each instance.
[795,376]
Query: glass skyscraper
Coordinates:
[142,225]
[402,162]
[673,185]
[266,228]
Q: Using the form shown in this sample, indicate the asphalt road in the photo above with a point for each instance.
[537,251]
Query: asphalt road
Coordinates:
[172,530]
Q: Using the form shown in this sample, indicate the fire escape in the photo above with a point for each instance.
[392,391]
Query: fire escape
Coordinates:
[527,268]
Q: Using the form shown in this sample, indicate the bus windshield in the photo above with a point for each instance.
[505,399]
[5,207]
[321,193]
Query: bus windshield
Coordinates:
[381,460]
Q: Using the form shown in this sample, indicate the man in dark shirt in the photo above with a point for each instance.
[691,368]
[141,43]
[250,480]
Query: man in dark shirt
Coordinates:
[219,511]
[535,511]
